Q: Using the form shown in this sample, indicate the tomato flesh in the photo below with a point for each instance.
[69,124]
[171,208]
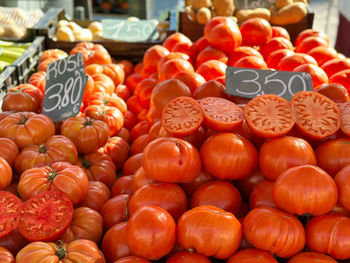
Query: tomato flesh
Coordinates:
[9,212]
[221,114]
[182,116]
[316,115]
[345,118]
[269,116]
[46,216]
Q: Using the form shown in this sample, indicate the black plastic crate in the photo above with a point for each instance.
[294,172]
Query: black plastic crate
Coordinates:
[8,79]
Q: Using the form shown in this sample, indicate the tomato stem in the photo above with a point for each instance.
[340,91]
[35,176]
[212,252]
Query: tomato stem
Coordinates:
[60,251]
[24,119]
[85,163]
[52,174]
[88,122]
[42,149]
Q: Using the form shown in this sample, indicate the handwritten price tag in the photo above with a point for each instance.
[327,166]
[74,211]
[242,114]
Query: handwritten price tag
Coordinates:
[65,83]
[249,83]
[130,31]
[248,4]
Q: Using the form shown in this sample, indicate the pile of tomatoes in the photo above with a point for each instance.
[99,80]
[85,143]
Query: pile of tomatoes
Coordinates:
[162,165]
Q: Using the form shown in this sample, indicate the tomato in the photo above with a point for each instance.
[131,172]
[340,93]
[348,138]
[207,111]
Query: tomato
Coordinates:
[256,31]
[211,88]
[309,33]
[305,189]
[191,79]
[341,179]
[323,54]
[251,62]
[45,217]
[279,154]
[55,53]
[241,52]
[140,179]
[122,186]
[269,116]
[42,65]
[318,76]
[175,38]
[335,92]
[221,114]
[311,257]
[220,194]
[187,48]
[115,210]
[56,149]
[226,30]
[307,44]
[122,91]
[173,66]
[275,57]
[127,66]
[336,65]
[152,56]
[345,118]
[92,53]
[202,178]
[262,195]
[103,83]
[154,222]
[6,256]
[132,259]
[275,44]
[114,244]
[124,134]
[252,255]
[62,176]
[98,167]
[10,207]
[316,116]
[132,164]
[188,257]
[335,232]
[139,129]
[143,91]
[75,252]
[278,31]
[275,231]
[182,116]
[171,160]
[289,63]
[101,98]
[115,72]
[139,144]
[6,174]
[209,231]
[97,195]
[212,69]
[130,120]
[87,134]
[172,55]
[38,79]
[211,54]
[343,78]
[168,196]
[228,156]
[132,80]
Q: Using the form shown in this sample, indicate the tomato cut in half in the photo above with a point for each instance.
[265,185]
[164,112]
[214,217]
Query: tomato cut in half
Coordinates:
[46,216]
[221,114]
[316,115]
[10,207]
[269,116]
[182,116]
[345,117]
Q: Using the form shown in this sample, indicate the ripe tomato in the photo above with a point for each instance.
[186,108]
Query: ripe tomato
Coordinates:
[155,222]
[171,160]
[132,80]
[84,250]
[335,92]
[124,134]
[56,149]
[336,232]
[6,174]
[336,65]
[172,55]
[311,257]
[175,38]
[182,116]
[118,149]
[143,91]
[86,224]
[140,179]
[187,48]
[289,63]
[191,79]
[241,52]
[318,76]
[211,88]
[45,217]
[8,150]
[221,114]
[6,256]
[220,194]
[10,206]
[274,44]
[127,66]
[139,144]
[262,195]
[115,72]
[202,178]
[212,69]
[173,66]
[307,44]
[92,53]
[342,181]
[132,259]
[132,164]
[323,54]
[103,83]
[87,134]
[188,257]
[42,65]
[209,231]
[256,31]
[345,118]
[275,57]
[316,116]
[251,62]
[275,231]
[228,156]
[152,56]
[278,31]
[55,53]
[168,196]
[211,54]
[202,43]
[309,33]
[252,255]
[62,176]
[269,116]
[38,79]
[97,195]
[115,210]
[102,98]
[27,128]
[343,78]
[122,91]
[122,186]
[114,244]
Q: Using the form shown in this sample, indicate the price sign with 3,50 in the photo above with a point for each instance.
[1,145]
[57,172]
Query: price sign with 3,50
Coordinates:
[248,4]
[65,83]
[249,83]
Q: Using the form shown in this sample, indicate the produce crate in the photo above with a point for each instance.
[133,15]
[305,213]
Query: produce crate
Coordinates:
[8,79]
[133,51]
[26,64]
[194,30]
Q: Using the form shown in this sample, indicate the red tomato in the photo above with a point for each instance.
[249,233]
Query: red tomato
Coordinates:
[345,118]
[115,210]
[175,38]
[318,76]
[274,44]
[335,92]
[246,185]
[6,256]
[202,178]
[152,56]
[307,44]
[336,65]
[309,33]
[132,164]
[278,31]
[122,186]
[256,31]
[118,149]
[275,57]
[173,66]
[251,255]
[187,48]
[132,259]
[172,55]
[211,88]
[343,78]
[251,62]
[202,43]
[316,116]
[212,69]
[140,179]
[262,195]
[132,80]
[311,257]
[289,63]
[6,174]
[46,216]
[188,257]
[8,150]
[279,154]
[182,116]
[97,195]
[191,79]
[323,54]
[10,206]
[342,181]
[269,116]
[127,66]
[228,156]
[92,53]
[155,222]
[241,52]
[38,79]
[211,54]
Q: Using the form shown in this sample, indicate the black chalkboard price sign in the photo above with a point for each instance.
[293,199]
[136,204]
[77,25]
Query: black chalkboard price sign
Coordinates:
[65,83]
[249,83]
[248,4]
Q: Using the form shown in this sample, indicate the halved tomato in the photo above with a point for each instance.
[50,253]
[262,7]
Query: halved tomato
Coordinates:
[221,114]
[345,118]
[269,116]
[46,216]
[182,116]
[10,206]
[316,115]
